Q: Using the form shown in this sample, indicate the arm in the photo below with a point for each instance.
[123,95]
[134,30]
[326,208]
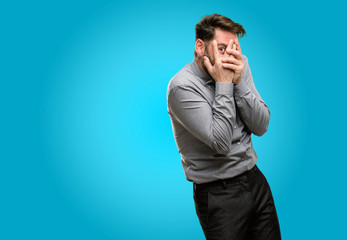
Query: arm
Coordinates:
[211,125]
[253,110]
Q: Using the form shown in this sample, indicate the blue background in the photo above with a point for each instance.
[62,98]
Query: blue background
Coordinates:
[87,150]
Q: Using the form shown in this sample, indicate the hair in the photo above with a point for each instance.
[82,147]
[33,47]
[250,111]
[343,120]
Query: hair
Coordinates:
[205,29]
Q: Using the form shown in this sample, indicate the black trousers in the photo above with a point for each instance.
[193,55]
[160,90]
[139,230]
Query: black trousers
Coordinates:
[239,208]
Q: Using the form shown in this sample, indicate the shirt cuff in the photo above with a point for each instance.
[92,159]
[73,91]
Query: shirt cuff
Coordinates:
[241,88]
[224,88]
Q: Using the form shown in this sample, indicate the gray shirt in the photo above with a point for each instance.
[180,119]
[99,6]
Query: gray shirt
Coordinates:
[212,123]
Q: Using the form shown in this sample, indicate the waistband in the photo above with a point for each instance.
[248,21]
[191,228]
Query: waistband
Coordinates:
[224,182]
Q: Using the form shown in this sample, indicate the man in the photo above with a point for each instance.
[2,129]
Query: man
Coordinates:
[214,108]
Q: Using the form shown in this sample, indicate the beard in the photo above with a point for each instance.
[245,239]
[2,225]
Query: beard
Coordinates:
[203,63]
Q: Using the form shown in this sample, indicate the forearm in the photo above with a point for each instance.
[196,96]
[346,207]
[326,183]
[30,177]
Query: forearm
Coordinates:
[253,110]
[223,120]
[212,125]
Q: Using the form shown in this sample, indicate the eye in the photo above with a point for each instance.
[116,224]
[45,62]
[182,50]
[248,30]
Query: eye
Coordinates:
[222,49]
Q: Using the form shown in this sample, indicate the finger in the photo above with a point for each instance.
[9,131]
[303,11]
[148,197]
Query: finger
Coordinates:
[234,46]
[233,67]
[215,51]
[231,60]
[230,44]
[235,53]
[208,64]
[238,46]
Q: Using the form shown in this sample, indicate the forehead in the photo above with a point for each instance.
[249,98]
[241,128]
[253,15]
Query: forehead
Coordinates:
[222,36]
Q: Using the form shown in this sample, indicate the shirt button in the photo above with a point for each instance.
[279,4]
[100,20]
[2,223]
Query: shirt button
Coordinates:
[243,158]
[235,127]
[238,143]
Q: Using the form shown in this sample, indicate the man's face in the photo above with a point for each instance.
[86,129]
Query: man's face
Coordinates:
[222,37]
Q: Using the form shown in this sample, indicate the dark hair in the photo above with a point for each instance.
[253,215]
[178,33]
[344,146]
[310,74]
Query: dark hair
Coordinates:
[205,29]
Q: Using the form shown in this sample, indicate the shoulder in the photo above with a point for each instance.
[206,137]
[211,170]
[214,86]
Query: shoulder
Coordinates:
[245,59]
[184,78]
[246,64]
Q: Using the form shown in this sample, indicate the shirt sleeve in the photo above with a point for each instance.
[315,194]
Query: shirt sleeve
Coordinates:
[253,110]
[213,125]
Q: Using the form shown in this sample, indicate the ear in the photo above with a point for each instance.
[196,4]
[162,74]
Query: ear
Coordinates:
[199,48]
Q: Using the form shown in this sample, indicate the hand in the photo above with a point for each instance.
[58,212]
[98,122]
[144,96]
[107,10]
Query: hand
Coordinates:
[234,61]
[217,71]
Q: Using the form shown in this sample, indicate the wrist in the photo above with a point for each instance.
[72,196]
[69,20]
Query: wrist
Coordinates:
[224,80]
[224,88]
[241,88]
[237,81]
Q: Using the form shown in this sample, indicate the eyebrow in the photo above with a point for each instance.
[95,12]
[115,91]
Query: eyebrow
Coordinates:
[222,44]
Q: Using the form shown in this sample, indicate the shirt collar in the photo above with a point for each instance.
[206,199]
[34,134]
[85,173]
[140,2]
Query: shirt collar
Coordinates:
[206,79]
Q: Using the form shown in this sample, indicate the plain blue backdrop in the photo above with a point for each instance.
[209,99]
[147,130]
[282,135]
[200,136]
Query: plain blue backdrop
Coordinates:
[87,150]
